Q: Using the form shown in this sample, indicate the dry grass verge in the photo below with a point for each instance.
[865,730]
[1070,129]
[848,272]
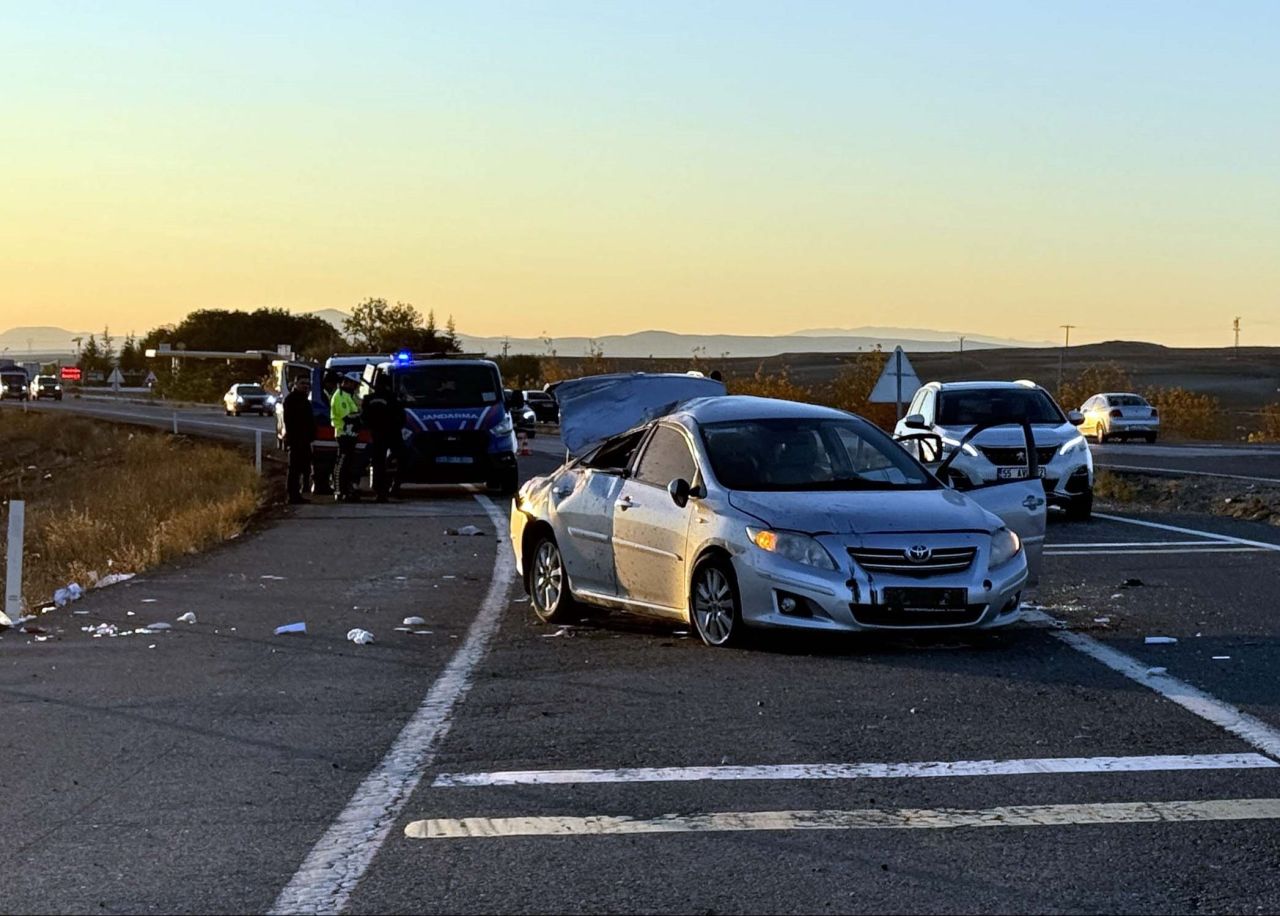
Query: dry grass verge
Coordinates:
[103,498]
[1254,502]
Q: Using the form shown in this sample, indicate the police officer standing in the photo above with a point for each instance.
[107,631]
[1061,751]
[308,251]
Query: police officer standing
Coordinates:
[299,433]
[383,415]
[344,412]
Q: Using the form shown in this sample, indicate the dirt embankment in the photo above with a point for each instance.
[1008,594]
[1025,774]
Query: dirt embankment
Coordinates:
[1254,502]
[103,499]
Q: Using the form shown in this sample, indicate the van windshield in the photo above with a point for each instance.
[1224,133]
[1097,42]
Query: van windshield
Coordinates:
[448,386]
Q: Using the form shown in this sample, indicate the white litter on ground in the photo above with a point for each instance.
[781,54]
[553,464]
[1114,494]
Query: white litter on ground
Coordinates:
[1222,658]
[299,627]
[161,625]
[1157,671]
[466,531]
[150,600]
[113,579]
[414,622]
[359,637]
[1160,640]
[414,631]
[1103,620]
[188,617]
[273,578]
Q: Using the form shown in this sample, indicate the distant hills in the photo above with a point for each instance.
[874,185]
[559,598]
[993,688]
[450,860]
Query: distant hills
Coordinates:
[662,344]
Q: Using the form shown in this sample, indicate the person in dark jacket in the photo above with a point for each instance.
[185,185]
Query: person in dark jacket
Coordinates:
[383,413]
[299,433]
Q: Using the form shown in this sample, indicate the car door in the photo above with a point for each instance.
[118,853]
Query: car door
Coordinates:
[650,532]
[1020,504]
[582,499]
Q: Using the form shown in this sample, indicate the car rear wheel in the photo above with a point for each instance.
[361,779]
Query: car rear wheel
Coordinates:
[714,604]
[1100,433]
[1150,437]
[549,583]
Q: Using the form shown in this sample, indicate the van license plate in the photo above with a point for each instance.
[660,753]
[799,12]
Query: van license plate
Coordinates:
[455,459]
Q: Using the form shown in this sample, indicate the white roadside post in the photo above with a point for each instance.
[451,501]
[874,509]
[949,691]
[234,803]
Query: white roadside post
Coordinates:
[257,450]
[13,567]
[175,422]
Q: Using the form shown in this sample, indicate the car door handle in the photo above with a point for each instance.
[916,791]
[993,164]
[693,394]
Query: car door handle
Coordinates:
[625,503]
[1033,502]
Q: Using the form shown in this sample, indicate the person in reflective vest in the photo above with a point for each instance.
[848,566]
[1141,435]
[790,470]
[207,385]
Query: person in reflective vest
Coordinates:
[344,412]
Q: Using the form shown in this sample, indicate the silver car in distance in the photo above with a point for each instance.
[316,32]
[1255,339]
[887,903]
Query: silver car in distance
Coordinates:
[735,512]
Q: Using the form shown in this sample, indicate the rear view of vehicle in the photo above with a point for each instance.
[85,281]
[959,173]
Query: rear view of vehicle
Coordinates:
[543,405]
[248,398]
[1120,416]
[458,425]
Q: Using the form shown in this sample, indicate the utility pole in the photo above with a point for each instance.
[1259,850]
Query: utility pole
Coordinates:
[1235,326]
[1063,352]
[506,346]
[962,344]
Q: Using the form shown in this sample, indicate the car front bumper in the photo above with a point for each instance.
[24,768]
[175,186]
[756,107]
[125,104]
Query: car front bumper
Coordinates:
[851,600]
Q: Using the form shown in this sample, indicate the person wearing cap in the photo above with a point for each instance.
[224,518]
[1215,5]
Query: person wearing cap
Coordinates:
[383,415]
[344,412]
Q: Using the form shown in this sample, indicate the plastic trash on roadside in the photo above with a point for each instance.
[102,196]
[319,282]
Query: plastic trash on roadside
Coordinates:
[299,627]
[161,625]
[113,579]
[188,617]
[414,622]
[1157,671]
[359,637]
[1160,640]
[466,531]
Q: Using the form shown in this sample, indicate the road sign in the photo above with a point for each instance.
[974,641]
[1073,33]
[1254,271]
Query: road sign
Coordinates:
[150,379]
[69,373]
[898,381]
[116,378]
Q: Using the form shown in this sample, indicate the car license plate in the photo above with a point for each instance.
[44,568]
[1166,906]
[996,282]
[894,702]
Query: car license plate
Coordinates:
[454,459]
[1015,473]
[925,599]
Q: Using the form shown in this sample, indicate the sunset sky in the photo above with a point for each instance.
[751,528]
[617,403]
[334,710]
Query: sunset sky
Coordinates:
[587,168]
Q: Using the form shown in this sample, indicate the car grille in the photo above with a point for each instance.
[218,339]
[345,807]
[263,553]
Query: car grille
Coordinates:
[943,560]
[889,617]
[1017,457]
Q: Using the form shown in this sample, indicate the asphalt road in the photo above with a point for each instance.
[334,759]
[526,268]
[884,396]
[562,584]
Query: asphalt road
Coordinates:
[1251,462]
[495,764]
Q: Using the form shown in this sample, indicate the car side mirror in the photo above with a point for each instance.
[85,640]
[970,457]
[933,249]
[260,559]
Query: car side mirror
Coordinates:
[1075,417]
[914,421]
[680,491]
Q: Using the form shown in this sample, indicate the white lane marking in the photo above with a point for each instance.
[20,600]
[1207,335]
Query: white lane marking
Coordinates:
[1226,809]
[1251,729]
[329,875]
[1222,548]
[1211,535]
[1073,545]
[1032,766]
[1180,472]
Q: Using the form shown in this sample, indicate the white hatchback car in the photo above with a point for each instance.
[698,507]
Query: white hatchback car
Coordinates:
[1119,415]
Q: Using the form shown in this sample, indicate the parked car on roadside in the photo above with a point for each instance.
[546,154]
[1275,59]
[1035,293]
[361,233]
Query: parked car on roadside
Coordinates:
[13,384]
[1119,415]
[728,513]
[543,404]
[950,410]
[248,397]
[46,386]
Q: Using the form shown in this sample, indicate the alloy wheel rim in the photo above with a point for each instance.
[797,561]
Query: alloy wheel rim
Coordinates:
[548,577]
[713,606]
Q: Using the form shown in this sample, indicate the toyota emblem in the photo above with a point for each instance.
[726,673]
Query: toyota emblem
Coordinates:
[918,553]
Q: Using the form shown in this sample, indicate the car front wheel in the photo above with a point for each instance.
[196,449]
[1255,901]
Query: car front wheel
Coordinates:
[1080,508]
[549,583]
[714,604]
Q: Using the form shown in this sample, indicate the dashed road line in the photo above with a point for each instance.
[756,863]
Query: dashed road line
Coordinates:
[836,771]
[1227,809]
[329,875]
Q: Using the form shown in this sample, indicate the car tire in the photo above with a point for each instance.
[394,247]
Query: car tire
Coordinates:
[1100,434]
[506,484]
[715,610]
[548,582]
[1080,508]
[1150,438]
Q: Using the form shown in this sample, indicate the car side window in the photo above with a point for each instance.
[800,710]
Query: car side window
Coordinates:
[666,458]
[615,454]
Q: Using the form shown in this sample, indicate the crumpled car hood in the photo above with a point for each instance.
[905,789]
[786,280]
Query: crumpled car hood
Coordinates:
[881,512]
[599,406]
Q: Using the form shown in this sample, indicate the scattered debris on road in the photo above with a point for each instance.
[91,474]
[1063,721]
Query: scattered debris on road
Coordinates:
[159,625]
[1160,640]
[188,617]
[113,579]
[1222,658]
[299,627]
[466,531]
[1157,671]
[414,622]
[1132,583]
[359,637]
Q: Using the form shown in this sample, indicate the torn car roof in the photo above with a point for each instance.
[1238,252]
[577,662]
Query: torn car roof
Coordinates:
[599,406]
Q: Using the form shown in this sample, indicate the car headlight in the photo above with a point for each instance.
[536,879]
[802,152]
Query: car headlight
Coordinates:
[239,400]
[798,548]
[1079,443]
[506,426]
[950,445]
[271,400]
[1004,547]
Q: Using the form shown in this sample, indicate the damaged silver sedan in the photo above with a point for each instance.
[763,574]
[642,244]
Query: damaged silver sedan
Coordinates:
[730,513]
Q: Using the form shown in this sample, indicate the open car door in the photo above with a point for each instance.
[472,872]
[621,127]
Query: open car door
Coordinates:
[1019,503]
